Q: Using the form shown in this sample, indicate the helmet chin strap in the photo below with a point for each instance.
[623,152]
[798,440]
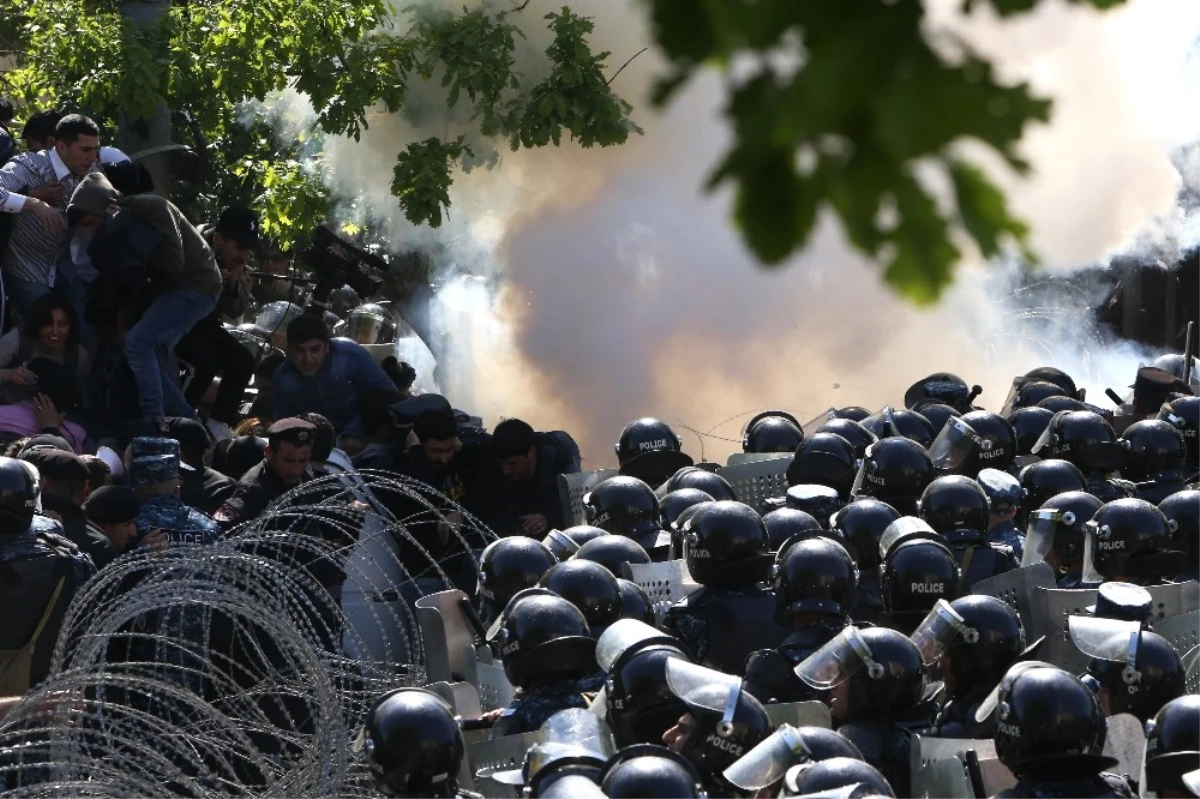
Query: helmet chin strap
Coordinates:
[725,725]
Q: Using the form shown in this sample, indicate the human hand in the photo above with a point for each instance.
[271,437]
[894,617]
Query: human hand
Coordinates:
[45,412]
[18,375]
[50,193]
[534,524]
[449,523]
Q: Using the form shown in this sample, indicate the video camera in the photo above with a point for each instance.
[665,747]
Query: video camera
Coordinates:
[335,262]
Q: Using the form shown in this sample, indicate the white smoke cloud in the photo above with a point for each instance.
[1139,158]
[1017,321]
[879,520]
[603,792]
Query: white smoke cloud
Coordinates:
[616,289]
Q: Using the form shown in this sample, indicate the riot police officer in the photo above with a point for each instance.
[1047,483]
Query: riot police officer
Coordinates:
[825,459]
[875,679]
[859,437]
[1028,425]
[788,524]
[937,413]
[507,566]
[1001,443]
[595,591]
[640,706]
[1085,439]
[1004,495]
[984,640]
[896,471]
[648,770]
[627,506]
[819,501]
[1055,535]
[1156,459]
[1050,732]
[1046,479]
[676,502]
[839,776]
[1172,747]
[957,508]
[648,449]
[893,422]
[916,574]
[565,543]
[861,524]
[1183,509]
[1131,670]
[710,483]
[635,602]
[612,551]
[764,766]
[772,431]
[547,648]
[1128,540]
[414,745]
[1183,413]
[726,550]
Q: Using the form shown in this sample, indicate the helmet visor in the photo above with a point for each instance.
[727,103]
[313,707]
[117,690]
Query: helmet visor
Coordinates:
[766,763]
[694,685]
[1042,447]
[940,628]
[1092,533]
[815,425]
[860,479]
[901,529]
[561,544]
[838,660]
[621,636]
[988,706]
[1167,414]
[1039,533]
[1106,639]
[954,443]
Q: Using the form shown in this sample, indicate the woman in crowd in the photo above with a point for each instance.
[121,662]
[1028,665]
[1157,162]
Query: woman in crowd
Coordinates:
[51,331]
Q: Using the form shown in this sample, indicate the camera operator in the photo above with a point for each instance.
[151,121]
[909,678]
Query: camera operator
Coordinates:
[208,346]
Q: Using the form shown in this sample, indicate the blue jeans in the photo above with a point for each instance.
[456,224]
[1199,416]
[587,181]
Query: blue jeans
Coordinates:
[150,350]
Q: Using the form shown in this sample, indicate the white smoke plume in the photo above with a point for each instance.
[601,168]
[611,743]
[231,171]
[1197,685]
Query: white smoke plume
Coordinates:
[615,289]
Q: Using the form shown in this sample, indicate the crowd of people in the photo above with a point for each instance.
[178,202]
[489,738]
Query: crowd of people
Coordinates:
[856,588]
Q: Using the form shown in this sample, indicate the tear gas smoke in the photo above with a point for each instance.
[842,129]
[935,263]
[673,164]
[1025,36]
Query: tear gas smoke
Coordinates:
[611,288]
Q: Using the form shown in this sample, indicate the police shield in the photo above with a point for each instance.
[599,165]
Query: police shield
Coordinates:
[498,755]
[495,691]
[446,635]
[741,458]
[572,488]
[1019,590]
[665,583]
[799,714]
[766,763]
[953,444]
[1173,599]
[1126,741]
[946,779]
[624,635]
[928,751]
[758,481]
[1183,631]
[1191,670]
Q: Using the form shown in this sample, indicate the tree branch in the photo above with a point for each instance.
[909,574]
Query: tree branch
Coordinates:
[627,63]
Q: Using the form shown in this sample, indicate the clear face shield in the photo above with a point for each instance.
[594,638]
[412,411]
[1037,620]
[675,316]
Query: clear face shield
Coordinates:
[886,421]
[1039,533]
[1097,546]
[902,529]
[694,685]
[370,327]
[569,736]
[1109,639]
[988,706]
[954,443]
[815,425]
[838,660]
[622,636]
[766,763]
[562,545]
[940,628]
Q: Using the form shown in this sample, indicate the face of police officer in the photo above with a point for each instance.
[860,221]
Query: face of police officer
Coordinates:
[309,356]
[677,737]
[289,461]
[839,701]
[520,467]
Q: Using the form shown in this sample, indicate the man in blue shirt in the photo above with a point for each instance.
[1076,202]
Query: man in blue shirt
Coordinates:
[334,378]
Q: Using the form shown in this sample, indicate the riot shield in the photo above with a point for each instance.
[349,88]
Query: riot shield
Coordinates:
[741,458]
[496,755]
[799,714]
[573,487]
[759,480]
[462,696]
[1183,631]
[928,751]
[1052,609]
[495,691]
[446,636]
[1191,670]
[1019,590]
[1126,741]
[942,779]
[1173,599]
[665,583]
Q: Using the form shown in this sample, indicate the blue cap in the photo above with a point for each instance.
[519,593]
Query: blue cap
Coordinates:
[153,461]
[1003,490]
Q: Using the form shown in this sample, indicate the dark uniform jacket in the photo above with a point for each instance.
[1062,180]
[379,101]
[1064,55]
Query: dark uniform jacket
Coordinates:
[205,489]
[257,489]
[529,710]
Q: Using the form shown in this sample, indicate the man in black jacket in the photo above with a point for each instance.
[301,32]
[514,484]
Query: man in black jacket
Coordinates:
[531,463]
[284,466]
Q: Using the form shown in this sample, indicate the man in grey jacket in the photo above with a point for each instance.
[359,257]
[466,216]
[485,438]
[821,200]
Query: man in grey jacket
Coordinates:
[181,270]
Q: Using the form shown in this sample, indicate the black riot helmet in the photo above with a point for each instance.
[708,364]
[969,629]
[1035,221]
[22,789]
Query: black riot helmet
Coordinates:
[788,524]
[941,387]
[729,720]
[859,437]
[996,430]
[507,566]
[862,524]
[543,635]
[1128,539]
[413,744]
[1085,439]
[915,575]
[590,587]
[1139,670]
[839,776]
[1055,531]
[1049,723]
[816,575]
[884,669]
[19,492]
[610,551]
[1172,745]
[1046,479]
[641,706]
[824,459]
[936,413]
[1049,374]
[710,483]
[625,506]
[895,470]
[648,770]
[725,546]
[1028,425]
[649,450]
[1056,404]
[676,502]
[1183,508]
[981,657]
[635,602]
[1157,451]
[1183,414]
[765,766]
[1032,392]
[819,501]
[954,504]
[565,543]
[855,413]
[891,422]
[773,431]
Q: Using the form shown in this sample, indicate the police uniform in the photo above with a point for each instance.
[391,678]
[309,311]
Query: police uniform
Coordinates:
[530,709]
[154,461]
[691,621]
[1108,490]
[957,717]
[110,505]
[887,746]
[1004,493]
[261,485]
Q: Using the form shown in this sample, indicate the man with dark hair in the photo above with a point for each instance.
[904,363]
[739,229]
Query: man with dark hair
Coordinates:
[112,512]
[284,466]
[64,487]
[38,132]
[200,487]
[208,346]
[35,186]
[531,463]
[334,378]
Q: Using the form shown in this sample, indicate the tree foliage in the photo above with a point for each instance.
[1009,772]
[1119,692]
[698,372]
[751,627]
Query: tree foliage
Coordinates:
[838,105]
[212,58]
